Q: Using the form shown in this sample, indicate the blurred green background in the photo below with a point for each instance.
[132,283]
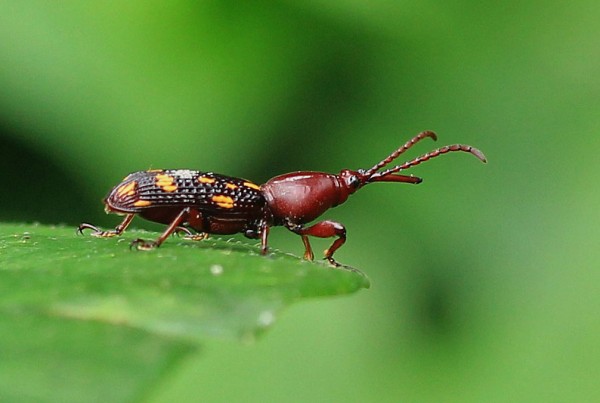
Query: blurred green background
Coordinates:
[485,277]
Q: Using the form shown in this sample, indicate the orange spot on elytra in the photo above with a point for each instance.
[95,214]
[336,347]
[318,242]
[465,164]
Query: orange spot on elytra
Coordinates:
[142,203]
[169,187]
[164,178]
[166,183]
[231,186]
[206,179]
[252,185]
[127,189]
[223,201]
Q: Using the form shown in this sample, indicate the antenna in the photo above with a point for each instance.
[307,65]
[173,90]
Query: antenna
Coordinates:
[399,151]
[432,154]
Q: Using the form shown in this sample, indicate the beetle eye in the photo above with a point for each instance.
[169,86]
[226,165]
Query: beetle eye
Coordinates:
[354,181]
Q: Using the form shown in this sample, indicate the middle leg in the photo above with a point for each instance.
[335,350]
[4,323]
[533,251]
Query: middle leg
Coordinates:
[141,244]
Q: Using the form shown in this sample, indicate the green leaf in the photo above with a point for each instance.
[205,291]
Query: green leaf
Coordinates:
[106,313]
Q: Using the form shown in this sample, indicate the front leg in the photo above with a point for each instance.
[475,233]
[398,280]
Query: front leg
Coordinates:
[323,229]
[107,234]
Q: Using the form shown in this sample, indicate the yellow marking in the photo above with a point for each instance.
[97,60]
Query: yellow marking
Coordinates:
[127,189]
[223,201]
[166,183]
[142,203]
[231,186]
[154,170]
[252,185]
[206,179]
[169,188]
[164,178]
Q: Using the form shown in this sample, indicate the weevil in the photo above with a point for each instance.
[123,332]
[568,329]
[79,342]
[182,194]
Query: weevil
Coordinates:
[210,203]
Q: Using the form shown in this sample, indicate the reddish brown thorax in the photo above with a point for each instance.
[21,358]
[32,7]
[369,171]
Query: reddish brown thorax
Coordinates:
[303,196]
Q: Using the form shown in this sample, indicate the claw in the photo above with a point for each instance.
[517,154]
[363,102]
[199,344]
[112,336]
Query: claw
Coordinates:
[309,255]
[183,230]
[82,226]
[332,261]
[196,237]
[189,235]
[97,232]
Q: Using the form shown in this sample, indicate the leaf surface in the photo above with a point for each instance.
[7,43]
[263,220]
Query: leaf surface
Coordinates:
[101,313]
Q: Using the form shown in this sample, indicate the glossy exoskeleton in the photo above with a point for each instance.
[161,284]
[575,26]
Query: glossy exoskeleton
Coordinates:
[210,203]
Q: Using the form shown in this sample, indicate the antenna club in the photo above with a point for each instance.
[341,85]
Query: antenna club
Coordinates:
[479,154]
[428,133]
[458,147]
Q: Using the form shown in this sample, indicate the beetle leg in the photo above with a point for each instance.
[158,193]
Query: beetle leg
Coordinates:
[107,234]
[189,235]
[141,244]
[263,230]
[299,229]
[264,234]
[201,236]
[186,231]
[323,229]
[308,253]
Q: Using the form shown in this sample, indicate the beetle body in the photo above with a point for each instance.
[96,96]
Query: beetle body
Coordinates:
[215,204]
[210,203]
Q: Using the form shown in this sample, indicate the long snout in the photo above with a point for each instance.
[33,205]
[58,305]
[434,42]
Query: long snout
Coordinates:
[396,178]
